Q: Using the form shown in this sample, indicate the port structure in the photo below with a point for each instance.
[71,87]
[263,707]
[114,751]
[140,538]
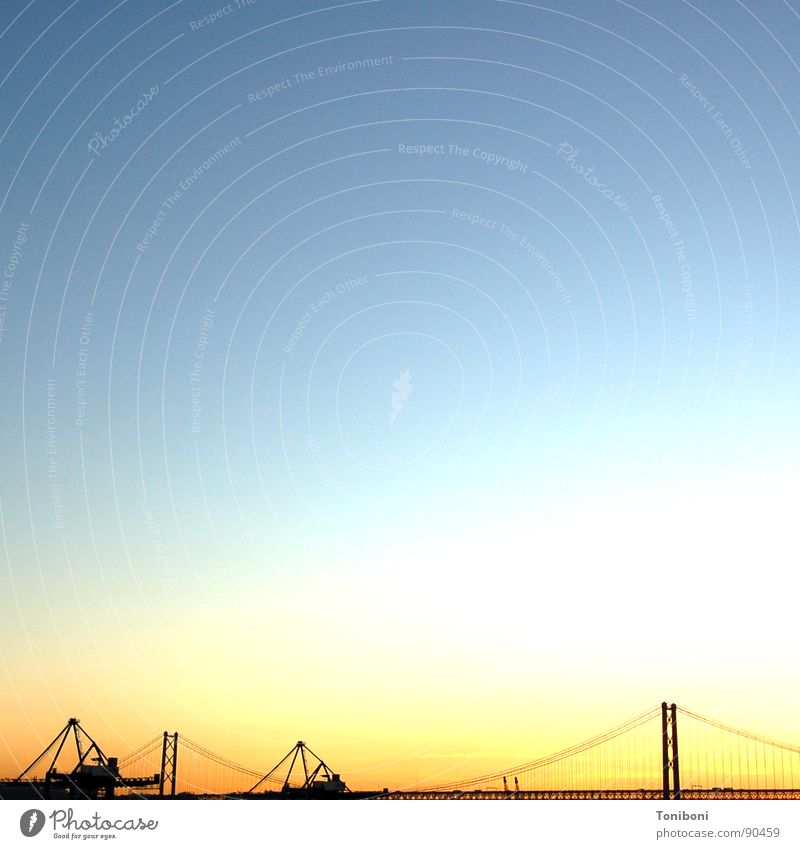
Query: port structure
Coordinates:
[317,776]
[93,776]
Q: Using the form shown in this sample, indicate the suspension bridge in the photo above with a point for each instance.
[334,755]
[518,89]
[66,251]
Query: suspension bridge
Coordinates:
[666,752]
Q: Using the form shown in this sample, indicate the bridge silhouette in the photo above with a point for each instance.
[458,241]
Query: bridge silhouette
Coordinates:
[666,752]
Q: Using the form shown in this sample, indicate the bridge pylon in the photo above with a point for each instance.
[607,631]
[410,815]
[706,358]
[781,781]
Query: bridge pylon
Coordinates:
[169,763]
[669,751]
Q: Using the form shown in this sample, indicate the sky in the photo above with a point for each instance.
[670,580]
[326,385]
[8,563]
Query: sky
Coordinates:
[416,379]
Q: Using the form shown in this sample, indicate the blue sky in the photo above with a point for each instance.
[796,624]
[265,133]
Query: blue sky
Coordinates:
[573,230]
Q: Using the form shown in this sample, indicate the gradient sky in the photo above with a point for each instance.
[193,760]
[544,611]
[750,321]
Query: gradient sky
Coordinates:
[579,501]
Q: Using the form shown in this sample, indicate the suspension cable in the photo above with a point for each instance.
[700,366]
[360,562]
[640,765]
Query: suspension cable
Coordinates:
[560,755]
[749,734]
[219,759]
[140,751]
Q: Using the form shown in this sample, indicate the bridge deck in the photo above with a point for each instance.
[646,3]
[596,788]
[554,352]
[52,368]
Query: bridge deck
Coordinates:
[592,794]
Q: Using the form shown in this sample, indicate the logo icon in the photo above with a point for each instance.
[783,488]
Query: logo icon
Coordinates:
[31,822]
[402,389]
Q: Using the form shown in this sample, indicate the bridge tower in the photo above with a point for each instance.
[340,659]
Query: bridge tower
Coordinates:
[169,763]
[669,751]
